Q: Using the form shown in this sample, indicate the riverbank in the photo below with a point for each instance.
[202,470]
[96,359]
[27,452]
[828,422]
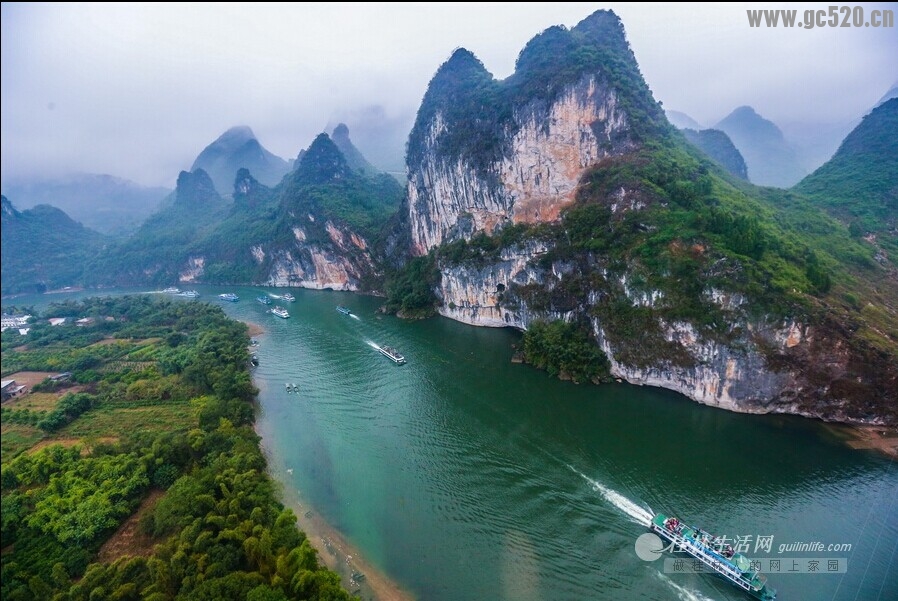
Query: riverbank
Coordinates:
[254,329]
[357,575]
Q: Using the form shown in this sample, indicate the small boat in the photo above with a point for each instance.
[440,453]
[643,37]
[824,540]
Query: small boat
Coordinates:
[722,559]
[229,296]
[172,290]
[280,312]
[344,310]
[190,294]
[254,360]
[291,387]
[263,298]
[392,354]
[288,297]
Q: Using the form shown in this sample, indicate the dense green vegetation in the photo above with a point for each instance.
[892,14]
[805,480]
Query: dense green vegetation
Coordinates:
[240,241]
[325,184]
[859,185]
[158,251]
[719,147]
[475,107]
[164,413]
[566,350]
[43,249]
[410,289]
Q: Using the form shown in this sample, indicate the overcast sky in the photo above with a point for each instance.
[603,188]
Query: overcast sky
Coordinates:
[138,90]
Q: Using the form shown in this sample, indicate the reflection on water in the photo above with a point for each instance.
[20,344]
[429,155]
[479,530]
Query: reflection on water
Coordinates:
[464,476]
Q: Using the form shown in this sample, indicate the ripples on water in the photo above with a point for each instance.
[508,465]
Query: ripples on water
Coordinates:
[466,477]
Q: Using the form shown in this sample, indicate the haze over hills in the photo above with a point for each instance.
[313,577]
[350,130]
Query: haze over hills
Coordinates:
[562,202]
[719,147]
[561,195]
[238,149]
[681,120]
[859,185]
[770,159]
[354,158]
[314,229]
[43,249]
[105,203]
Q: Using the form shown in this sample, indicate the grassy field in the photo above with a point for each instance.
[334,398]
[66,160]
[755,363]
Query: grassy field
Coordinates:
[118,422]
[36,401]
[15,438]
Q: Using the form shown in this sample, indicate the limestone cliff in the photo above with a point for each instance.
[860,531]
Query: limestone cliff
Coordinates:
[563,193]
[312,231]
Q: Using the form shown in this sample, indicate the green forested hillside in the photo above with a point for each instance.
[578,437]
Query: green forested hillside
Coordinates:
[155,428]
[859,185]
[44,249]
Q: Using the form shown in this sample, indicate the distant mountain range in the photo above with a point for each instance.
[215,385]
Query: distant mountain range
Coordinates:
[560,201]
[238,149]
[771,160]
[108,204]
[44,249]
[719,147]
[681,120]
[315,228]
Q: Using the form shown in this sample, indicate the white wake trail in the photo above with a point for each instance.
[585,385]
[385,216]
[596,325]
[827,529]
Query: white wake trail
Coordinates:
[683,593]
[638,514]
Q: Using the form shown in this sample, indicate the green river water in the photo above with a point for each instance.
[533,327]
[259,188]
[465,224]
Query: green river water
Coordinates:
[463,476]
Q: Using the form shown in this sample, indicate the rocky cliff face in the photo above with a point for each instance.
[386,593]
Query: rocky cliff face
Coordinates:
[517,154]
[552,145]
[756,366]
[311,232]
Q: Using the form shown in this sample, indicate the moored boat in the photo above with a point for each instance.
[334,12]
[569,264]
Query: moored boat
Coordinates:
[263,299]
[392,354]
[722,559]
[288,297]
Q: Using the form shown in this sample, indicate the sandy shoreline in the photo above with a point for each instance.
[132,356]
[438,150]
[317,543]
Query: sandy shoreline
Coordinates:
[358,576]
[254,329]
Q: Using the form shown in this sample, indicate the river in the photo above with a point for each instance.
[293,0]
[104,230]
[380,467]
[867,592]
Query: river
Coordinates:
[463,476]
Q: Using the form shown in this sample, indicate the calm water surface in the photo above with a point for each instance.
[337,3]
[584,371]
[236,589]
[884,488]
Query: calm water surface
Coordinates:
[464,476]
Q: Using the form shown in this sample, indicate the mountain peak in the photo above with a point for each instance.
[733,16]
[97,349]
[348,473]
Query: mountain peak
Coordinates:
[770,159]
[195,189]
[353,157]
[322,162]
[6,206]
[236,136]
[237,148]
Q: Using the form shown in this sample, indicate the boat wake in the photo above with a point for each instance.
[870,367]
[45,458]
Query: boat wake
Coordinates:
[684,594]
[372,345]
[354,316]
[637,513]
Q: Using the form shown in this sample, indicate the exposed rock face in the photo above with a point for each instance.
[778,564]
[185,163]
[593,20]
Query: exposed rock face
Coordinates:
[757,367]
[340,263]
[511,157]
[552,146]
